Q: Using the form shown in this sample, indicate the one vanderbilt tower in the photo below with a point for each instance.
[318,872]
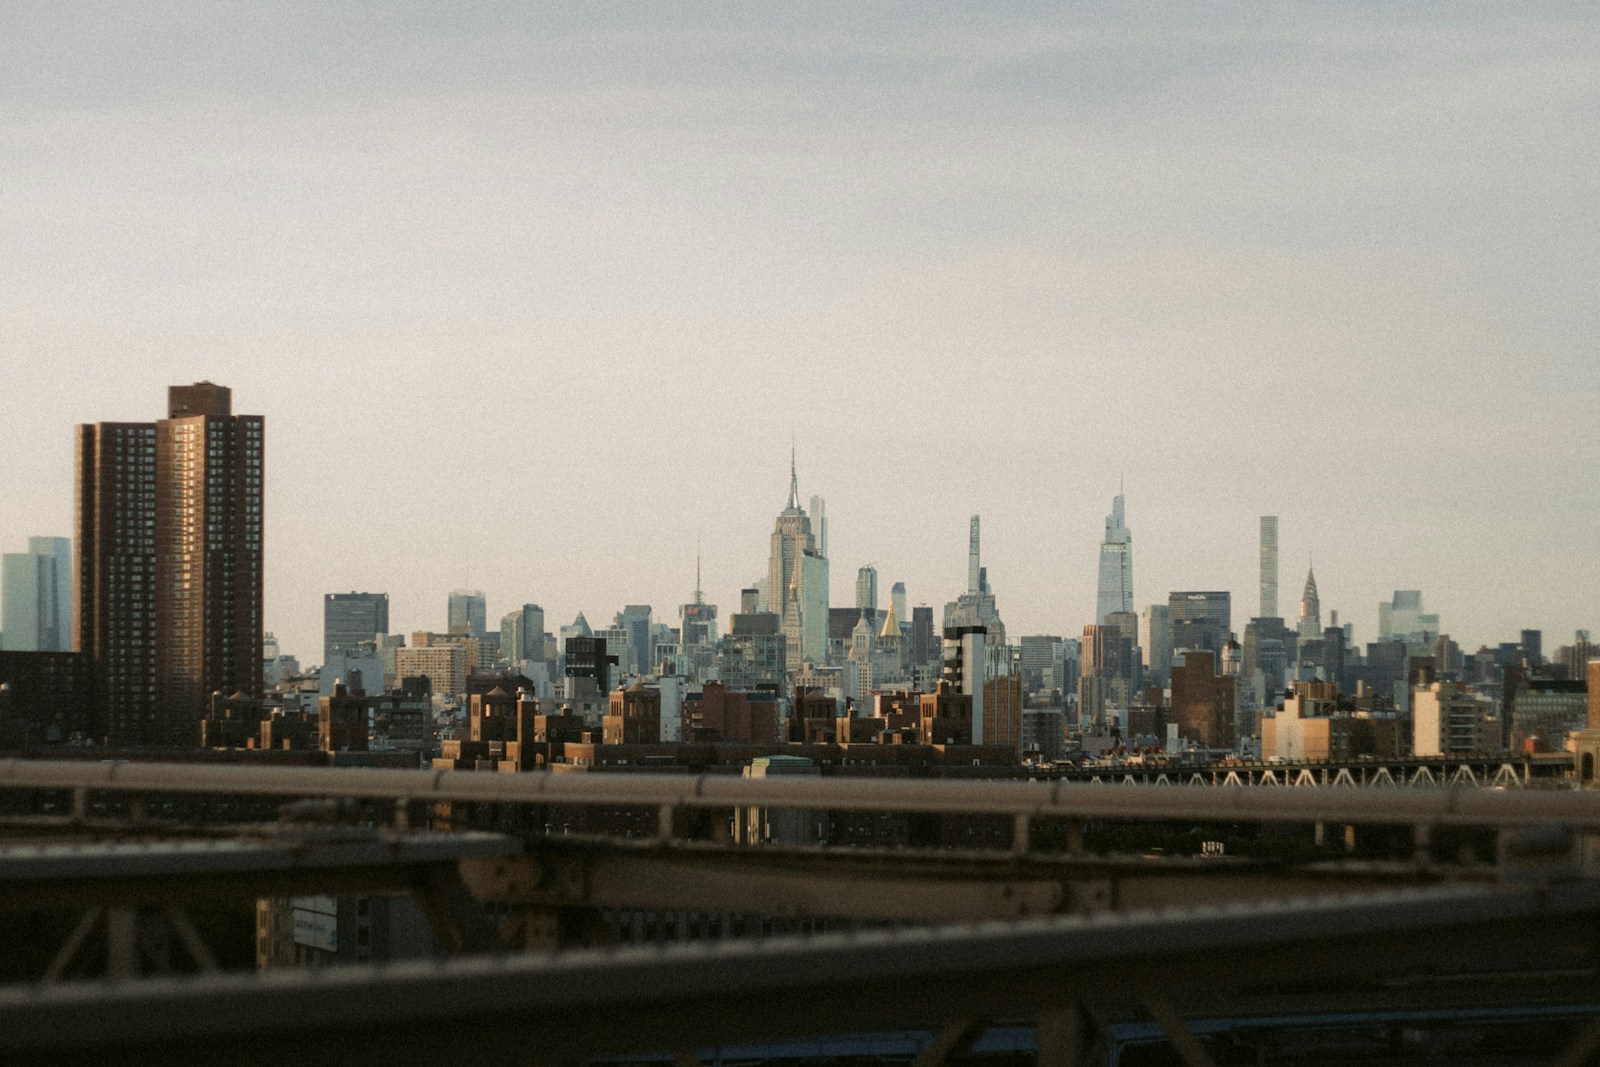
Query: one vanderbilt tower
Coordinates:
[169,564]
[1115,591]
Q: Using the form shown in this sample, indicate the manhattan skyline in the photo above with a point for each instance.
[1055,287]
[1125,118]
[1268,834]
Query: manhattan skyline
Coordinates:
[534,302]
[423,614]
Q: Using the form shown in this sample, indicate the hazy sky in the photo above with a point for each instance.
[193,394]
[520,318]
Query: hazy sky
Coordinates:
[534,296]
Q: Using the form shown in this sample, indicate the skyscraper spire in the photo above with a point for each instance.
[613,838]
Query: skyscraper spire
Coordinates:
[1310,607]
[699,597]
[796,570]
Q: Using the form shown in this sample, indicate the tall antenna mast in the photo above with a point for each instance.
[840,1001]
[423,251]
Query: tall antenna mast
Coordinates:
[698,596]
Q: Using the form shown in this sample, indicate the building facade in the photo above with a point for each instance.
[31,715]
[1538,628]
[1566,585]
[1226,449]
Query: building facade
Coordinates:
[797,582]
[168,574]
[976,607]
[1403,619]
[867,589]
[522,635]
[445,667]
[352,619]
[1447,720]
[468,613]
[634,620]
[1199,621]
[1269,567]
[1116,565]
[36,597]
[1203,701]
[1155,638]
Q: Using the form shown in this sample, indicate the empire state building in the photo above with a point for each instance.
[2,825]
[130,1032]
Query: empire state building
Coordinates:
[797,582]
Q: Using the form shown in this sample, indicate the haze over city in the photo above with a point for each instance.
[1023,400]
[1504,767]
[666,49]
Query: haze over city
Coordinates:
[536,302]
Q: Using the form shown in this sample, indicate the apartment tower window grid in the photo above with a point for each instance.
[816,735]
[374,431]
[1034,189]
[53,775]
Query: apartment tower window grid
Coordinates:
[169,565]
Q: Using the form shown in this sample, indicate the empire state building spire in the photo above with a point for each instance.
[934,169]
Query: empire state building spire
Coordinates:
[794,483]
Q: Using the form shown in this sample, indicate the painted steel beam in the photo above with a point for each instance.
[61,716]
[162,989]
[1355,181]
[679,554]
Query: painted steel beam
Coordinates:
[580,1005]
[116,873]
[1469,806]
[886,884]
[730,882]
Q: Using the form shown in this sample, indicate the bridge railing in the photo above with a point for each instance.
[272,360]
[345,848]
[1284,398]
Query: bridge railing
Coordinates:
[1444,806]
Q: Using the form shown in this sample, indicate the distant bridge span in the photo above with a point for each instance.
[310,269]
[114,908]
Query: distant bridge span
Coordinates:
[1494,772]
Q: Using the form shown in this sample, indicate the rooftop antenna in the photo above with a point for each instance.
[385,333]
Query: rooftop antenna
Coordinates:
[794,480]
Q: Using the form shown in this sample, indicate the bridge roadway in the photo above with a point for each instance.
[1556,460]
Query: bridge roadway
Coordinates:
[1086,928]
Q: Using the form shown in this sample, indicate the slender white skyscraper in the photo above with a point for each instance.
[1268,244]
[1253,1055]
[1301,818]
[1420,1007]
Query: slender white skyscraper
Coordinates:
[1116,566]
[1269,567]
[976,607]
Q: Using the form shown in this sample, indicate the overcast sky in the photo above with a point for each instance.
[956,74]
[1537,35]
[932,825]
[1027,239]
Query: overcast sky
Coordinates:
[534,296]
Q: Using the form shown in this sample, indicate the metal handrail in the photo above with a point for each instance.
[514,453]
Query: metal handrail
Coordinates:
[1443,806]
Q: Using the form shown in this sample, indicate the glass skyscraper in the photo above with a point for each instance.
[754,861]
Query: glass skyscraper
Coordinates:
[36,597]
[348,619]
[1116,566]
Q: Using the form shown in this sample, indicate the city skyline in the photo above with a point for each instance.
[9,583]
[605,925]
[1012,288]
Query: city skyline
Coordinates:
[482,270]
[421,615]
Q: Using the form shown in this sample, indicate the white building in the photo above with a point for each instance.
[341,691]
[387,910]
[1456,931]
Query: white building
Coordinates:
[1269,566]
[1449,721]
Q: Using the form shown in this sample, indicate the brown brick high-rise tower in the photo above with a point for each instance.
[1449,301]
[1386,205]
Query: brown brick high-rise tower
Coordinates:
[169,566]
